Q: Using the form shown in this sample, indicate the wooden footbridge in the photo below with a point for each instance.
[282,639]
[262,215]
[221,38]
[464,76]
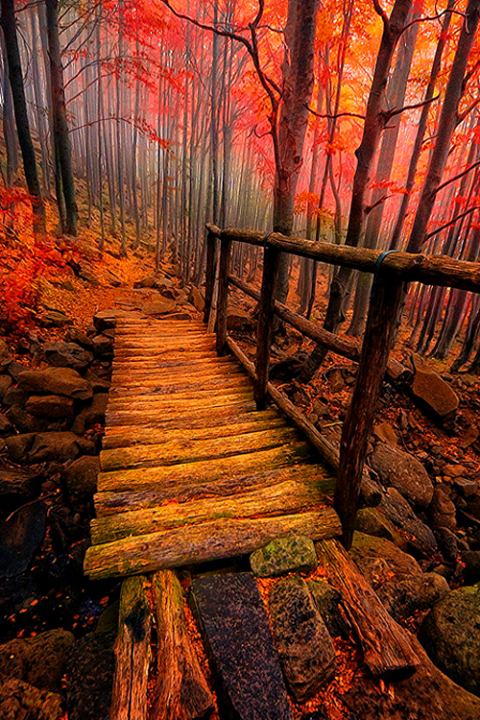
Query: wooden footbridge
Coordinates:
[191,471]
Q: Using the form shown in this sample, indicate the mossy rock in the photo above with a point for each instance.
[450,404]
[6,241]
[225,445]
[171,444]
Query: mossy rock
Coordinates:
[294,553]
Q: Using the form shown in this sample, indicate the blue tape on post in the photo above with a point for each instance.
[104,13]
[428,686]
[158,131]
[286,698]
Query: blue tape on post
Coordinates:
[378,265]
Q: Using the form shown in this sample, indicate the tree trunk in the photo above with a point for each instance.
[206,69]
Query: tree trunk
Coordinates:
[60,127]
[21,116]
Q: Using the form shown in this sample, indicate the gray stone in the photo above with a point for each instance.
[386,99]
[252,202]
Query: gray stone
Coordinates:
[105,319]
[159,306]
[373,522]
[70,355]
[56,381]
[327,601]
[17,484]
[80,479]
[419,536]
[20,538]
[21,701]
[92,414]
[102,346]
[378,557]
[39,660]
[15,368]
[15,396]
[50,406]
[432,393]
[302,640]
[5,425]
[237,633]
[90,669]
[45,447]
[76,335]
[405,596]
[53,319]
[283,555]
[238,320]
[450,634]
[196,298]
[403,472]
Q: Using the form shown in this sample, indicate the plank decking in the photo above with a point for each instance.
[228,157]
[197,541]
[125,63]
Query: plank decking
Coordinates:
[191,471]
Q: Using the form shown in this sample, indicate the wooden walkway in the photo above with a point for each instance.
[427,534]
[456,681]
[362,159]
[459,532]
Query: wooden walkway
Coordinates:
[191,471]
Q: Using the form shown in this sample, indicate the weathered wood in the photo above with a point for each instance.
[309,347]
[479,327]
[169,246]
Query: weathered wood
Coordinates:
[202,420]
[410,267]
[132,435]
[181,690]
[208,541]
[271,264]
[325,449]
[358,423]
[386,646]
[203,470]
[175,451]
[165,385]
[198,416]
[287,497]
[222,304]
[132,653]
[210,271]
[181,491]
[342,346]
[113,414]
[180,398]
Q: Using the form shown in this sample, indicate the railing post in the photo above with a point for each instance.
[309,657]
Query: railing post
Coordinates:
[209,271]
[265,324]
[387,294]
[225,249]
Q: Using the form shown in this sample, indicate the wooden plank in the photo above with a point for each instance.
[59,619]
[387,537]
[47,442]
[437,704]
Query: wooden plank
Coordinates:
[173,384]
[201,543]
[287,497]
[174,452]
[181,491]
[203,470]
[178,395]
[154,436]
[199,415]
[181,690]
[386,646]
[132,653]
[203,419]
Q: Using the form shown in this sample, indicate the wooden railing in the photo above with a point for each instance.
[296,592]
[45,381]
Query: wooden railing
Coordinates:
[391,272]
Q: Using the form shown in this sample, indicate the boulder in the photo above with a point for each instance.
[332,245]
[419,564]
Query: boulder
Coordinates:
[418,535]
[5,425]
[20,537]
[301,637]
[196,298]
[5,356]
[80,478]
[386,434]
[18,485]
[373,522]
[49,446]
[450,634]
[432,393]
[65,354]
[442,512]
[90,668]
[18,446]
[147,282]
[327,601]
[283,555]
[471,571]
[21,701]
[428,694]
[26,423]
[56,381]
[378,557]
[159,306]
[404,472]
[103,346]
[53,319]
[105,319]
[15,396]
[405,596]
[238,320]
[5,383]
[92,414]
[76,335]
[50,406]
[38,660]
[15,368]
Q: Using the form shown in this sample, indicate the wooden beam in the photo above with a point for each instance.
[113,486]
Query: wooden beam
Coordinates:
[132,653]
[271,260]
[410,267]
[386,646]
[343,346]
[222,305]
[181,690]
[210,269]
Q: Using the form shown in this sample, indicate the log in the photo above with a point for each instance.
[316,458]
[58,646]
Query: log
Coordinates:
[134,435]
[174,452]
[118,501]
[342,346]
[203,470]
[132,653]
[386,645]
[409,267]
[287,497]
[181,690]
[208,541]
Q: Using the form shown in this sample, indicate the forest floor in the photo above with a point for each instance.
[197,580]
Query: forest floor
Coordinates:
[51,592]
